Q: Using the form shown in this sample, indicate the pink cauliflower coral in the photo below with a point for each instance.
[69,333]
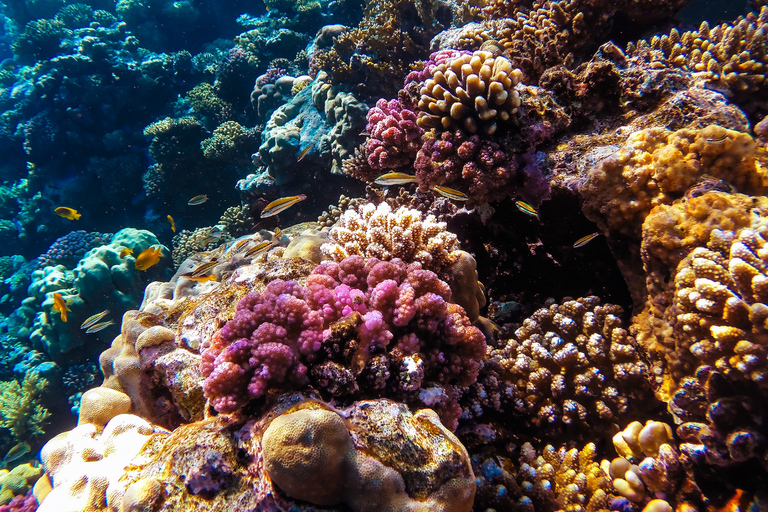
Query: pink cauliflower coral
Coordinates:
[395,137]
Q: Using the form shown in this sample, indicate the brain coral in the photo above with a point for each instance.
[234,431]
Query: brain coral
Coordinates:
[657,166]
[378,232]
[474,92]
[360,325]
[573,364]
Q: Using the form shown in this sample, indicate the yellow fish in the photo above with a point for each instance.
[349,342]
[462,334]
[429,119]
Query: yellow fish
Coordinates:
[581,242]
[93,319]
[98,327]
[259,249]
[148,257]
[395,178]
[304,152]
[173,224]
[527,209]
[68,213]
[280,205]
[450,193]
[197,200]
[125,252]
[200,279]
[60,306]
[204,268]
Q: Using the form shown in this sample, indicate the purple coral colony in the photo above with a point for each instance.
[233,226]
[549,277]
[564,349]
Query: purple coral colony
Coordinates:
[384,256]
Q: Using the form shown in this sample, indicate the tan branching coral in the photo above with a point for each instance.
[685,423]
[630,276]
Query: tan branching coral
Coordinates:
[475,92]
[330,216]
[378,232]
[573,364]
[732,56]
[22,413]
[657,166]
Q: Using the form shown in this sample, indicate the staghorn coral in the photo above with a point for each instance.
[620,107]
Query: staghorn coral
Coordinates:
[729,56]
[359,326]
[657,166]
[473,92]
[377,231]
[573,364]
[22,413]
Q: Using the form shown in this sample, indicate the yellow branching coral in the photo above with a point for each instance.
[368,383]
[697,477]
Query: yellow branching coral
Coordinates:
[379,232]
[21,411]
[732,56]
[657,166]
[475,92]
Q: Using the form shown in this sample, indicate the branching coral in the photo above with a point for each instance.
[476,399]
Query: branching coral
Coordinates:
[231,142]
[394,135]
[359,326]
[22,412]
[377,231]
[573,364]
[475,92]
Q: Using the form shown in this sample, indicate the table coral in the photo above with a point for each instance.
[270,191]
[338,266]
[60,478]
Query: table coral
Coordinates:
[377,231]
[573,364]
[359,326]
[473,92]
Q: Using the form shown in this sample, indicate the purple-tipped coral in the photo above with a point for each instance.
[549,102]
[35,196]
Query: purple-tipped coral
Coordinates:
[395,136]
[360,325]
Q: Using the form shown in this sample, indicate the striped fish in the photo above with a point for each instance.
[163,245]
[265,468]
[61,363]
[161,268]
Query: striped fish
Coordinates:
[93,319]
[581,242]
[527,209]
[280,205]
[450,193]
[395,178]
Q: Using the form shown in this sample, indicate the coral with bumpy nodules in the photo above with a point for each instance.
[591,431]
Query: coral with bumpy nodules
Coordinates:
[358,326]
[479,168]
[394,135]
[573,364]
[730,56]
[657,166]
[70,248]
[378,232]
[551,479]
[231,141]
[472,92]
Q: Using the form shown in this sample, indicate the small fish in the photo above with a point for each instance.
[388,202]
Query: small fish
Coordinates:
[581,242]
[199,279]
[204,268]
[68,213]
[148,257]
[253,252]
[717,140]
[280,205]
[125,252]
[212,238]
[60,306]
[173,224]
[239,246]
[93,319]
[98,327]
[304,152]
[395,178]
[527,209]
[198,200]
[450,193]
[17,452]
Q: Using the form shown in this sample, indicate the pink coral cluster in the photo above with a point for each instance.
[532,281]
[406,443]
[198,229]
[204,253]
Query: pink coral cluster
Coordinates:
[480,168]
[428,66]
[395,136]
[380,326]
[21,503]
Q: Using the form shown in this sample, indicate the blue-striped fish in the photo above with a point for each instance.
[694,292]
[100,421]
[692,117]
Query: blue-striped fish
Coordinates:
[94,319]
[450,193]
[280,205]
[527,209]
[395,178]
[98,327]
[581,242]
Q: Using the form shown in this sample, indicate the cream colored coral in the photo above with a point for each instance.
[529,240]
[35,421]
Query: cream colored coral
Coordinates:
[475,92]
[85,465]
[377,231]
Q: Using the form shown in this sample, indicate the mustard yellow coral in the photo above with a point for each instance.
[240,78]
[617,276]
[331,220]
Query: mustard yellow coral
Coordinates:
[22,412]
[475,92]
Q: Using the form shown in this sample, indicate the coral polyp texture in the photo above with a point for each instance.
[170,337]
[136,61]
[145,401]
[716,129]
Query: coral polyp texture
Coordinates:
[358,326]
[378,232]
[473,92]
[573,364]
[394,135]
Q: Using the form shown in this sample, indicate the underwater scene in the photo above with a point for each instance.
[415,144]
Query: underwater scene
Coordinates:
[384,255]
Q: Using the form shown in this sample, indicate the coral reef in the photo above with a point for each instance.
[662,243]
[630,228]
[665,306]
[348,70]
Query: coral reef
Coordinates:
[22,413]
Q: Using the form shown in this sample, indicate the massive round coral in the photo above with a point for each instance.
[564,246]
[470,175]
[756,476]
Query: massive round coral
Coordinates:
[474,92]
